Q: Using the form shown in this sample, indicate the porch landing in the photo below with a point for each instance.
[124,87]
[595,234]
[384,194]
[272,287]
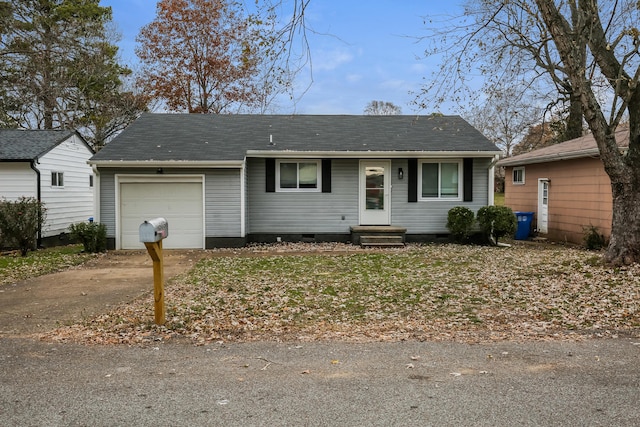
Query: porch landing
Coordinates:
[378,235]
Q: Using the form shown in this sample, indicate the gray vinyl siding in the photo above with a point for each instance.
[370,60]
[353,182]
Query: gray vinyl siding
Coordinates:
[107,195]
[222,203]
[430,217]
[303,212]
[222,198]
[307,212]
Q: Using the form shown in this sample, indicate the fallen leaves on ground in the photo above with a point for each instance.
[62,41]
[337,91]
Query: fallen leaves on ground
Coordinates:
[420,292]
[14,267]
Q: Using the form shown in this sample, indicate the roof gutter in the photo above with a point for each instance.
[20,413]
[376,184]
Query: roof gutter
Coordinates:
[286,154]
[232,164]
[590,152]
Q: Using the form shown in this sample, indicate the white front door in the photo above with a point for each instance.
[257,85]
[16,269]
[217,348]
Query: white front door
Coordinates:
[375,192]
[543,206]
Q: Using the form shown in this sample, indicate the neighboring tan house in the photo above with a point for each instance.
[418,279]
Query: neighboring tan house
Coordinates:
[566,187]
[227,180]
[50,166]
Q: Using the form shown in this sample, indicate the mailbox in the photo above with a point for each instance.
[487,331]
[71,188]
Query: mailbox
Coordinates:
[154,230]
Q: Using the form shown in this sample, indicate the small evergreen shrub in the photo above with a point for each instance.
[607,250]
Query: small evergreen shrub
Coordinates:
[20,222]
[593,240]
[460,222]
[92,235]
[496,222]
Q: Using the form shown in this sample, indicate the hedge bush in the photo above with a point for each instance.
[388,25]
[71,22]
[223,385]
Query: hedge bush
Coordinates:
[593,240]
[496,222]
[460,222]
[92,235]
[20,222]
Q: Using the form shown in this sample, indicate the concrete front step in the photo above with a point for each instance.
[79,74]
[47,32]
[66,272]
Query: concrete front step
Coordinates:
[385,235]
[382,240]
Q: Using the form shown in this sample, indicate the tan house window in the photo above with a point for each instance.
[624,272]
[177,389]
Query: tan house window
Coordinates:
[518,176]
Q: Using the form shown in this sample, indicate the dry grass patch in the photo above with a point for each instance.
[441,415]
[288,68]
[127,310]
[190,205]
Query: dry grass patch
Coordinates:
[419,292]
[14,267]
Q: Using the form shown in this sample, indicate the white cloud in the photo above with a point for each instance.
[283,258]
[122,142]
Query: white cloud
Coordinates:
[330,60]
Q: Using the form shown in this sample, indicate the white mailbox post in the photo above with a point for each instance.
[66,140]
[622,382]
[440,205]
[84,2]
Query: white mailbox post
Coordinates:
[151,233]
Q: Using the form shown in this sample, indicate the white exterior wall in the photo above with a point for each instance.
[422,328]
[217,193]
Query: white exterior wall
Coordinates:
[17,179]
[73,202]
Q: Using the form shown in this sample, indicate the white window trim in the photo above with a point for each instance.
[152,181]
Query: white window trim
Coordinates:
[318,188]
[517,168]
[58,176]
[439,198]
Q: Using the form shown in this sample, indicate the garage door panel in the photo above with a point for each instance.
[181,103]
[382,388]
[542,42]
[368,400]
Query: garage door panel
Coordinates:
[179,202]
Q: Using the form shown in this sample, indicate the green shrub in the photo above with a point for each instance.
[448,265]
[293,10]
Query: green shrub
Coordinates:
[460,222]
[593,240]
[20,222]
[92,235]
[496,222]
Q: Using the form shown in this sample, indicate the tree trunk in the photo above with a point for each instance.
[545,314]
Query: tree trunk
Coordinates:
[575,119]
[623,169]
[624,244]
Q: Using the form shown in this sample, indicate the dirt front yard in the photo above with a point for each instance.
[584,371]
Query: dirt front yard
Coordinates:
[342,292]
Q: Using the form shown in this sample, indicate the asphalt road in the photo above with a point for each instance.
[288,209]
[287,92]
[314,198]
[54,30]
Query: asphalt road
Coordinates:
[591,383]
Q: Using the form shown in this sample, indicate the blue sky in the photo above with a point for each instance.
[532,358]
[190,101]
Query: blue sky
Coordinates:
[361,51]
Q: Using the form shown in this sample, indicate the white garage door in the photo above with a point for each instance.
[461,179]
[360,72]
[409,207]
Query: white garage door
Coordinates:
[179,202]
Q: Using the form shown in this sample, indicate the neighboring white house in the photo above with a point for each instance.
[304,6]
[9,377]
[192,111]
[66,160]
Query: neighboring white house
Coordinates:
[51,166]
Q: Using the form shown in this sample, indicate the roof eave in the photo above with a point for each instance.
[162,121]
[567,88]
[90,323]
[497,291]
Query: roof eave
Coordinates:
[192,164]
[549,158]
[366,154]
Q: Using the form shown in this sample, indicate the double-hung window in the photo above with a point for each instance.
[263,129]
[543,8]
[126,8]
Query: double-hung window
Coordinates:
[440,180]
[518,175]
[298,175]
[57,179]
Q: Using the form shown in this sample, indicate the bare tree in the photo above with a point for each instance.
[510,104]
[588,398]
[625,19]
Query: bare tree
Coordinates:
[504,43]
[504,118]
[382,108]
[590,52]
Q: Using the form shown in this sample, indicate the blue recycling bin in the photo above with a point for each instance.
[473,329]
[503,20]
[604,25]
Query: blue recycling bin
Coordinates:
[524,225]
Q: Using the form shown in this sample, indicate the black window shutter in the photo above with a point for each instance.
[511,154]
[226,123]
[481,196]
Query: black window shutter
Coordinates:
[467,179]
[326,175]
[412,176]
[270,175]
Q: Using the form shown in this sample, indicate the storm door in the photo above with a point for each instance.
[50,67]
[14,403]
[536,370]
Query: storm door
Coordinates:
[375,192]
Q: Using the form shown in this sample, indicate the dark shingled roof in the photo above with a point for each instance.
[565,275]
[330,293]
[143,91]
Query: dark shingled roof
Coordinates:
[29,144]
[585,146]
[199,137]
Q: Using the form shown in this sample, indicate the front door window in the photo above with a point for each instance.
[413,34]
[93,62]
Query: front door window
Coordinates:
[375,187]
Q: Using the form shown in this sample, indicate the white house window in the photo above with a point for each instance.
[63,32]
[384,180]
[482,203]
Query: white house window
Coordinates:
[57,179]
[298,175]
[440,180]
[518,175]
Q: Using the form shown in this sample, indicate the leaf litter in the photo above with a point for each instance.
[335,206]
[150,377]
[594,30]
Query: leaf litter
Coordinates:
[310,292]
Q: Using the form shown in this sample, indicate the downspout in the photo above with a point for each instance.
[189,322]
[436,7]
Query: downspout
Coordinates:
[32,163]
[96,194]
[492,181]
